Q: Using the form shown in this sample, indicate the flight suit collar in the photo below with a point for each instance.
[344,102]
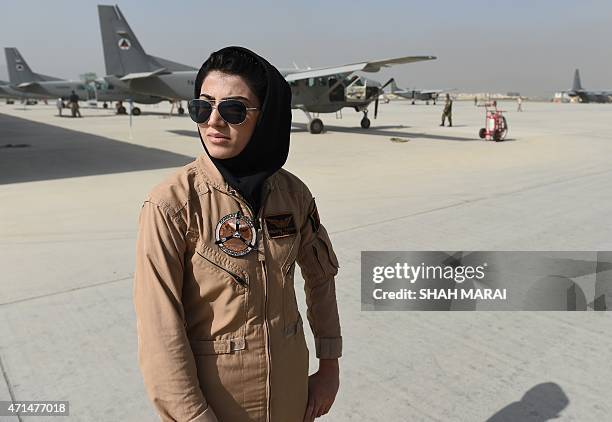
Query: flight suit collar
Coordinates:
[214,178]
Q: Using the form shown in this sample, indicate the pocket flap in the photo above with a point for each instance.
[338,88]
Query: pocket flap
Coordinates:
[293,329]
[217,347]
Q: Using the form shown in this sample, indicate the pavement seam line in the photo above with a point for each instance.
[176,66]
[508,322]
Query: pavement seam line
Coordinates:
[8,385]
[469,201]
[66,291]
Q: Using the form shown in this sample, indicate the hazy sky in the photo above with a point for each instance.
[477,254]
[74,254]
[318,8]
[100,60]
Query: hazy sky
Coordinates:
[515,45]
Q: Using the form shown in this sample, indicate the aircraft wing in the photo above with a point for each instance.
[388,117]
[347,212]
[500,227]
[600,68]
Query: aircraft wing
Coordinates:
[373,66]
[47,78]
[26,85]
[142,75]
[170,65]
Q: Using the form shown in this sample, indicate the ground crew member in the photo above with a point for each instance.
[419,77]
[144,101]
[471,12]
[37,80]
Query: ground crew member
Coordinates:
[60,105]
[448,111]
[519,103]
[74,105]
[120,108]
[220,336]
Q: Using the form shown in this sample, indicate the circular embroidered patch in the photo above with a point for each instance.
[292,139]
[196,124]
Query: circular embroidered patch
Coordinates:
[235,234]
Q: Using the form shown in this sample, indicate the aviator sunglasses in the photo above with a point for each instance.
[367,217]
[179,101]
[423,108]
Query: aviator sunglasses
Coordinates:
[232,111]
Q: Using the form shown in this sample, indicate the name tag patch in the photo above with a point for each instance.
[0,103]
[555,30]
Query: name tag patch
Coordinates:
[281,225]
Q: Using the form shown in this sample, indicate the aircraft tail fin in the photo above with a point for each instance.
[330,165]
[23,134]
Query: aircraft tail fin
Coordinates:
[170,65]
[123,53]
[577,86]
[18,70]
[393,87]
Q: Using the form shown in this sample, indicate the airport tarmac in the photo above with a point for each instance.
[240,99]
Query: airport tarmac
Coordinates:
[70,203]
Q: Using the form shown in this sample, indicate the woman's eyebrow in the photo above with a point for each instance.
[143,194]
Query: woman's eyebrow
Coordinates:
[235,97]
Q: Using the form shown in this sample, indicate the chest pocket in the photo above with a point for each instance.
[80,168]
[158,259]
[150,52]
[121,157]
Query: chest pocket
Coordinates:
[223,294]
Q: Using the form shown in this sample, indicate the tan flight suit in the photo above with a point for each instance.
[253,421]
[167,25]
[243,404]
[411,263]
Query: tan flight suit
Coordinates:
[220,338]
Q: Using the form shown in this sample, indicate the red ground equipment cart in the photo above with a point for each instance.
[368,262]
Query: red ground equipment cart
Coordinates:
[496,127]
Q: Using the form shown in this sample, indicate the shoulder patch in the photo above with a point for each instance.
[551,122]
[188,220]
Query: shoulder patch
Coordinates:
[313,216]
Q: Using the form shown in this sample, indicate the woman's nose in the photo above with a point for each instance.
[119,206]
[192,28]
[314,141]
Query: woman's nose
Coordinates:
[215,118]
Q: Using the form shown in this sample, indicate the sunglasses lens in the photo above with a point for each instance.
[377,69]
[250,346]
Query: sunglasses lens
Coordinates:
[232,111]
[199,110]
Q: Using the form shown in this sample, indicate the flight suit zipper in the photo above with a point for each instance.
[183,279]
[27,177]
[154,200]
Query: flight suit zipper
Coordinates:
[262,259]
[261,256]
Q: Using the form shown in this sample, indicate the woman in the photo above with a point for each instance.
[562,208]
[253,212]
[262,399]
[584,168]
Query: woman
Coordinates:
[220,337]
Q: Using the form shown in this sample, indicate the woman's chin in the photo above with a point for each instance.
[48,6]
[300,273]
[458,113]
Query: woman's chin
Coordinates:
[221,152]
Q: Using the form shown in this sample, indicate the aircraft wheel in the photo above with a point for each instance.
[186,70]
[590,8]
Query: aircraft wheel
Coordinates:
[136,111]
[104,105]
[482,133]
[365,123]
[121,110]
[181,110]
[315,126]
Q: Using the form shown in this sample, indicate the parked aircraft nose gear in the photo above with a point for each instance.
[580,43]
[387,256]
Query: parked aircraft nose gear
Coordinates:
[315,126]
[365,122]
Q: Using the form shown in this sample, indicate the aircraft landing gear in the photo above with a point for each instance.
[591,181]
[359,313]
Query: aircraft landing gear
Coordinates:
[365,122]
[315,126]
[104,104]
[136,111]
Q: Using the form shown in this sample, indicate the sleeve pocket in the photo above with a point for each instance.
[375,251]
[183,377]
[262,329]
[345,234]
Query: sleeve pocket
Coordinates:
[324,253]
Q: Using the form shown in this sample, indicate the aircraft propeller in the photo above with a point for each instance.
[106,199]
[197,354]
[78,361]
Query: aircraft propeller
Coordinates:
[380,91]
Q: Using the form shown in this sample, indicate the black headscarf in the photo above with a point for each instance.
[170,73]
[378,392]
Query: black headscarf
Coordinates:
[268,147]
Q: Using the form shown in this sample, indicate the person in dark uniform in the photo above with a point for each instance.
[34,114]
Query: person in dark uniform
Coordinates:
[448,111]
[74,105]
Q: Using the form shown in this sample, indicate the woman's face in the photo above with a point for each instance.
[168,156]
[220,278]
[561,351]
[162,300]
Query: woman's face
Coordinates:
[224,140]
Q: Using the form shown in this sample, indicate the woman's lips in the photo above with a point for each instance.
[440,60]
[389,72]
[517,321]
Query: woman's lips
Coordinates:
[217,139]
